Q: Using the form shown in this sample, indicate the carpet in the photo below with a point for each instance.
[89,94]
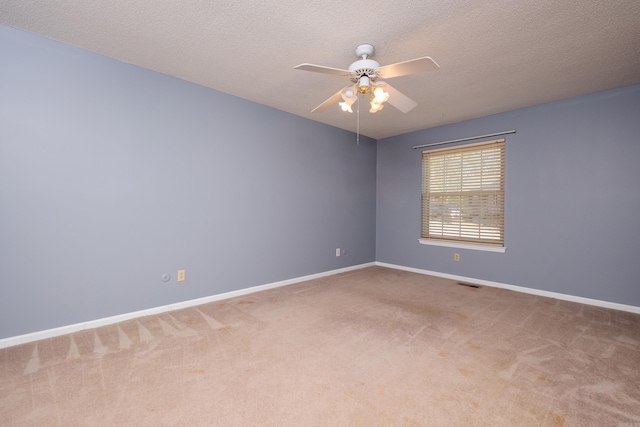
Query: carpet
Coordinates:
[370,347]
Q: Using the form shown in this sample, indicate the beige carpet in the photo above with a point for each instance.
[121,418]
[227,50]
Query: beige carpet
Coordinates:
[373,347]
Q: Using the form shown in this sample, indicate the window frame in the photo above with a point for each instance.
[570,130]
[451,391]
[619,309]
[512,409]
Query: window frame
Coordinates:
[460,241]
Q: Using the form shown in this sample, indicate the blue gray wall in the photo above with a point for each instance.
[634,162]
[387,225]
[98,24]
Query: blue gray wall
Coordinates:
[111,175]
[572,199]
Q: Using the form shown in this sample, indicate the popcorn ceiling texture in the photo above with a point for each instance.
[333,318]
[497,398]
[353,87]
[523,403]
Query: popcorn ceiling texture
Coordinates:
[494,56]
[373,347]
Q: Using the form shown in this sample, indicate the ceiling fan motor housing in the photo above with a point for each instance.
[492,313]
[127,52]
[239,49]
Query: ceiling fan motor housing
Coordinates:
[364,67]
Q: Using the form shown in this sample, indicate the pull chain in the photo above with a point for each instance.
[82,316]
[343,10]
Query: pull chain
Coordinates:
[358,124]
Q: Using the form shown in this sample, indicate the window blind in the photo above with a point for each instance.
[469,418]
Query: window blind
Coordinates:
[463,193]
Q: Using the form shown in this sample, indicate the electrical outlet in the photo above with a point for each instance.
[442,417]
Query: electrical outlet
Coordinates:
[182,275]
[337,251]
[456,258]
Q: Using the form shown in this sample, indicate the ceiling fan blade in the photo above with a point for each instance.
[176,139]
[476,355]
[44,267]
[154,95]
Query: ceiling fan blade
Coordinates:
[332,100]
[419,65]
[322,69]
[399,100]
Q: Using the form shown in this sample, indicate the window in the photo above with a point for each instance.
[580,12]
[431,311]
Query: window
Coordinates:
[463,194]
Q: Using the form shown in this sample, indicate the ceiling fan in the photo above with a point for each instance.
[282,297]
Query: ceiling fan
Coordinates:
[367,77]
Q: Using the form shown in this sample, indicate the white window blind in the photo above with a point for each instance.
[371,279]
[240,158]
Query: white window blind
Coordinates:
[463,193]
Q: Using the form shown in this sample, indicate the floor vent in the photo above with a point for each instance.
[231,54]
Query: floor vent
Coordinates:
[468,285]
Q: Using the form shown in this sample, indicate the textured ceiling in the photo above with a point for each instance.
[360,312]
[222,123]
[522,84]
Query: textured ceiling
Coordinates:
[494,56]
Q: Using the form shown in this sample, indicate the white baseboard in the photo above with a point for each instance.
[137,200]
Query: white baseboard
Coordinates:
[50,333]
[556,295]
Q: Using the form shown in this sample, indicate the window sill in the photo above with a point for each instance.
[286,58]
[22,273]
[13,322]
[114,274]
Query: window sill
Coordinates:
[461,245]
